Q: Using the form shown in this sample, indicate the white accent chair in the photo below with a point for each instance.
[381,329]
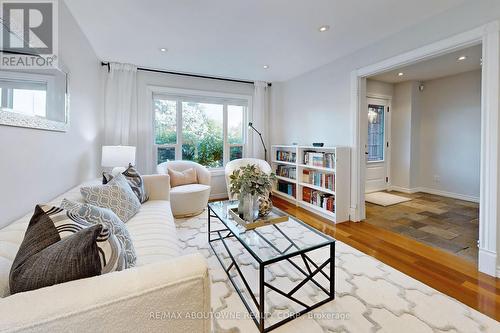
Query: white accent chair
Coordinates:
[236,164]
[188,200]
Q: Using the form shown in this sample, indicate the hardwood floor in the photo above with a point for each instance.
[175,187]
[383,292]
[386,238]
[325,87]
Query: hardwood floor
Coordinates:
[443,271]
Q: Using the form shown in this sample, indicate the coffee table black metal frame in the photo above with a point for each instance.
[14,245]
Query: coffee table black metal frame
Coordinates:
[312,269]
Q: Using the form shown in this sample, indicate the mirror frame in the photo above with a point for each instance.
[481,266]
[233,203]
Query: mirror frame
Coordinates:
[8,118]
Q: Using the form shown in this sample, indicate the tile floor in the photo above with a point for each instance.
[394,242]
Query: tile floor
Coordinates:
[446,223]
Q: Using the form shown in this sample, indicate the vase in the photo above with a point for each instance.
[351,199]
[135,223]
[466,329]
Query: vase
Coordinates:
[249,207]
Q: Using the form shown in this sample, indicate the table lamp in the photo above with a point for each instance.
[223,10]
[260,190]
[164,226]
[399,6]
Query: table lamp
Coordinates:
[118,158]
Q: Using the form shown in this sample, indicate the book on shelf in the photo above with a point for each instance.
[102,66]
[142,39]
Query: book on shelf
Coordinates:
[286,188]
[321,179]
[286,171]
[318,159]
[320,199]
[286,156]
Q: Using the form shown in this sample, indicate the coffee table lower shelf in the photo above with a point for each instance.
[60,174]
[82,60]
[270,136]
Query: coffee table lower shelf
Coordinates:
[312,269]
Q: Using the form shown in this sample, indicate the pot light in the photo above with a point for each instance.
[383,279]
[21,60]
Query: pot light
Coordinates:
[266,66]
[324,28]
[163,49]
[401,74]
[461,58]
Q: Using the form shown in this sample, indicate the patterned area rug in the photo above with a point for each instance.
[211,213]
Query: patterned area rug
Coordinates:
[370,296]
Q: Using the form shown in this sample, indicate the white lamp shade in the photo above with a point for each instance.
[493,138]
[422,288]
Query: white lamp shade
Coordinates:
[117,156]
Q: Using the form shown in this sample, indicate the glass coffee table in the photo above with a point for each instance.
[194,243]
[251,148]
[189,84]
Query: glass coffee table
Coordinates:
[289,265]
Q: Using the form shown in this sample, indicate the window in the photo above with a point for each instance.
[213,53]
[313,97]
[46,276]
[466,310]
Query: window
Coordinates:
[206,130]
[24,97]
[375,133]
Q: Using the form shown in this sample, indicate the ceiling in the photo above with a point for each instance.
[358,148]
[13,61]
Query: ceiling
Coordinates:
[236,38]
[445,65]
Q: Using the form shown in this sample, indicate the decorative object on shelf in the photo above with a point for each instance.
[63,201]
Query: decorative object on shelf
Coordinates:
[265,206]
[318,144]
[250,183]
[118,158]
[250,125]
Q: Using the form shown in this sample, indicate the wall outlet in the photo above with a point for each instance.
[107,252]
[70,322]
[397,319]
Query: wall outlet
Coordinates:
[437,179]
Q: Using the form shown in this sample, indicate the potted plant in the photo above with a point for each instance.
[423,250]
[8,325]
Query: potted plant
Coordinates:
[250,184]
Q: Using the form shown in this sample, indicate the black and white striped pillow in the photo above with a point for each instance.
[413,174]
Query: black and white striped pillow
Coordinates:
[134,179]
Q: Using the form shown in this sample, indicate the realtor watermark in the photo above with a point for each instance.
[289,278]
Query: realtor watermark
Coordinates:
[29,36]
[235,315]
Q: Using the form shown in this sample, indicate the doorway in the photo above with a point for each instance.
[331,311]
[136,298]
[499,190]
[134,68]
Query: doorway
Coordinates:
[489,36]
[378,142]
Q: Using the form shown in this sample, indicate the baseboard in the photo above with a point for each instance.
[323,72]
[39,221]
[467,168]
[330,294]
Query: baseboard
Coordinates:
[435,192]
[403,189]
[488,263]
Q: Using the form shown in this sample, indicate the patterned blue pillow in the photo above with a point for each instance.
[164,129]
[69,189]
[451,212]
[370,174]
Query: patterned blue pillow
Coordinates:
[99,215]
[115,195]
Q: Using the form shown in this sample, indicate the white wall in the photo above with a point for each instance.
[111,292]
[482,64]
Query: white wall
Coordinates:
[450,140]
[379,88]
[38,165]
[145,79]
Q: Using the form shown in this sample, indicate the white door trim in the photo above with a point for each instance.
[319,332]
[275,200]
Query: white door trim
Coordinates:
[489,36]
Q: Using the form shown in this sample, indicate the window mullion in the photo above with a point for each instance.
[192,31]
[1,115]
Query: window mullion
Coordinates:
[224,134]
[178,147]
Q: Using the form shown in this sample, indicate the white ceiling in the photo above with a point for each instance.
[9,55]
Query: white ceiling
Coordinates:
[434,68]
[235,38]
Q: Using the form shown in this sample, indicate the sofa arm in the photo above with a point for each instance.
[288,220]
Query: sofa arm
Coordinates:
[157,186]
[168,296]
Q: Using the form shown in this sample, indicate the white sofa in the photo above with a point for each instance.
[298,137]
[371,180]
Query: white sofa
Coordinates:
[145,298]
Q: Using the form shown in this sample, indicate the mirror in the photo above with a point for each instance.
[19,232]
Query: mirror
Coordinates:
[34,99]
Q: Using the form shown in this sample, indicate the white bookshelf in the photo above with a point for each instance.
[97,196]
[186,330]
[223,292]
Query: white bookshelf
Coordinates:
[340,169]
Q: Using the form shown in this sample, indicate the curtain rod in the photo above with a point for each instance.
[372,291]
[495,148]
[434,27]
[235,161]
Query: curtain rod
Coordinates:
[186,74]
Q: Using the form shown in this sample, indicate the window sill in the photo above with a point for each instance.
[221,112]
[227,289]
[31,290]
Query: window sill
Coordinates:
[217,172]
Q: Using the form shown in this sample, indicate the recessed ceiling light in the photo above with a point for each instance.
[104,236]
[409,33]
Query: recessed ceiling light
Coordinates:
[462,58]
[266,66]
[401,74]
[163,49]
[324,28]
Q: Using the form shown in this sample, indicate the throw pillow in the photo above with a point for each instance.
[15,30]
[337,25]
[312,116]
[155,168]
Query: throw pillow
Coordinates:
[115,195]
[59,247]
[106,217]
[134,179]
[178,178]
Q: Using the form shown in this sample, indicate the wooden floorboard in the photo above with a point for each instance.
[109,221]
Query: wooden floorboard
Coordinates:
[443,271]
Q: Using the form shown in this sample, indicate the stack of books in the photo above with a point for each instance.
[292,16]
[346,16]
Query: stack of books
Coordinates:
[326,160]
[286,171]
[320,199]
[287,188]
[325,180]
[286,156]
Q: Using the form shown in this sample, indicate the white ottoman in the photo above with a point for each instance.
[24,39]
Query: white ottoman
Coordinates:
[189,200]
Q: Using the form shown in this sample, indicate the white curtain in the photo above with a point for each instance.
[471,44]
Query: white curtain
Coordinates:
[260,119]
[123,125]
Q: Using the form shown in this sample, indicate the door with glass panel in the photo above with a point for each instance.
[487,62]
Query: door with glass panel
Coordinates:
[377,156]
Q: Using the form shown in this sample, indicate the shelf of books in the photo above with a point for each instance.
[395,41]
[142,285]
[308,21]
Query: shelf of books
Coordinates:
[315,178]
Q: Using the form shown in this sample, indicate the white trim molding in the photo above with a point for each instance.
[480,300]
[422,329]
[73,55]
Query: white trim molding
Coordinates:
[435,192]
[487,35]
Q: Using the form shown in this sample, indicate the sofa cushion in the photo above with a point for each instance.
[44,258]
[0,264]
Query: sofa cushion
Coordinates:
[59,247]
[191,188]
[153,233]
[99,215]
[115,195]
[134,179]
[178,178]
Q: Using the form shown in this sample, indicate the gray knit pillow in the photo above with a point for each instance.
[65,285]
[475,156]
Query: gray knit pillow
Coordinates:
[60,247]
[99,215]
[115,195]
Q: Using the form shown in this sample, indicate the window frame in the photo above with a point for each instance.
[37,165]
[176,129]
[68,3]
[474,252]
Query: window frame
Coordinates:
[201,96]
